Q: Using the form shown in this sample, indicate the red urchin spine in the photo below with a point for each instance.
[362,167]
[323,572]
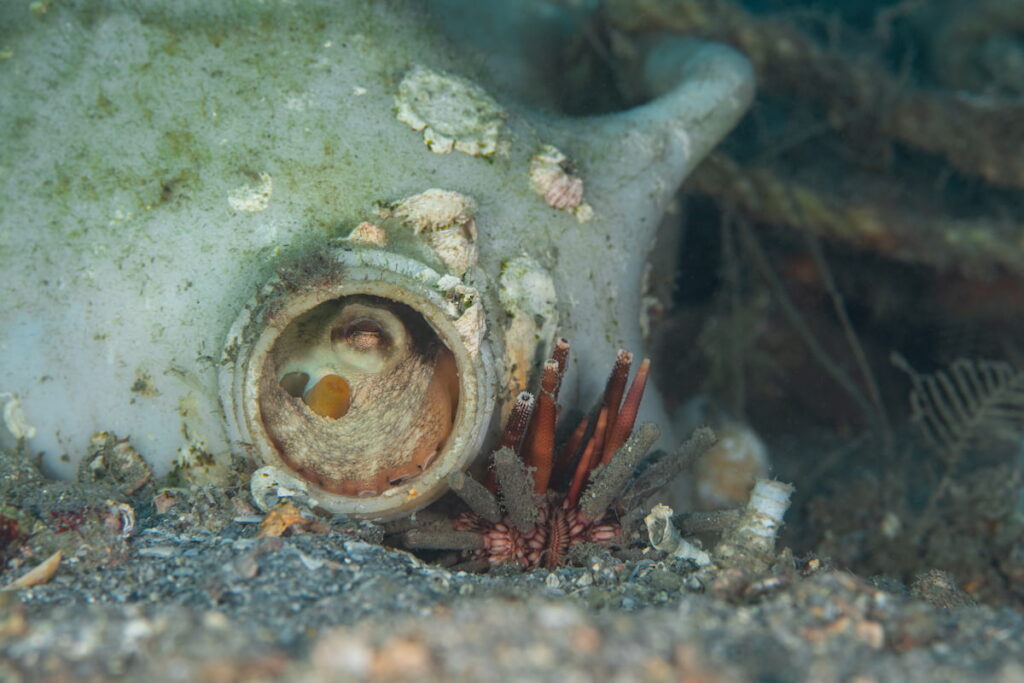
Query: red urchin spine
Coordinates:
[557,523]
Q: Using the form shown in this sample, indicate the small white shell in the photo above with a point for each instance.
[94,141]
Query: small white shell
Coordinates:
[551,177]
[14,418]
[665,537]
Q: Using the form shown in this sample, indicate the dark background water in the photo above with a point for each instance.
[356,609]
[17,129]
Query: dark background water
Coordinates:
[849,283]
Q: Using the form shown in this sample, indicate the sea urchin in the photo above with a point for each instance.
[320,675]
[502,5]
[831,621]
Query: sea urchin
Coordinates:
[537,501]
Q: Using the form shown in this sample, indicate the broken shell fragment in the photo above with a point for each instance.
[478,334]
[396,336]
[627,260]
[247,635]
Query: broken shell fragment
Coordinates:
[368,234]
[445,220]
[270,485]
[435,209]
[353,374]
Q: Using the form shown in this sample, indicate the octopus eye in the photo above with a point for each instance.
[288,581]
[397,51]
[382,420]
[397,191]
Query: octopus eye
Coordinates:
[329,397]
[363,334]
